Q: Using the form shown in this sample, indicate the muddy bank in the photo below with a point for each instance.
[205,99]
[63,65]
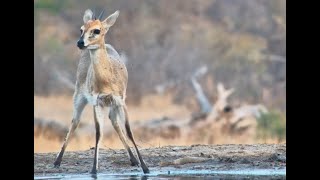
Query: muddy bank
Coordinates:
[197,158]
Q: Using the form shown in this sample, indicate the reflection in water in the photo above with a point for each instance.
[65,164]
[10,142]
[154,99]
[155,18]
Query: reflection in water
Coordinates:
[135,177]
[163,177]
[177,175]
[94,176]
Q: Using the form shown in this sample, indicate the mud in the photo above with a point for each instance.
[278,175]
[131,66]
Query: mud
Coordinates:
[263,161]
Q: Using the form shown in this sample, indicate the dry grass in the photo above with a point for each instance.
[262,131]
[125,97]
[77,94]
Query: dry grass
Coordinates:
[42,144]
[59,108]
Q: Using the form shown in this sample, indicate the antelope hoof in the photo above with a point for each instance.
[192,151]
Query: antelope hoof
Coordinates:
[134,162]
[93,171]
[57,164]
[145,170]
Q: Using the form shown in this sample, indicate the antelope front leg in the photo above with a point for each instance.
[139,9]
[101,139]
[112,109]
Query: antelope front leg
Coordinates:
[78,106]
[99,116]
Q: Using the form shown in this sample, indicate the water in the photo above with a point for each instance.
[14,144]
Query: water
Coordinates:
[178,174]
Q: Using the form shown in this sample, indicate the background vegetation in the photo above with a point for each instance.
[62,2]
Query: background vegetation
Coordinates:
[242,43]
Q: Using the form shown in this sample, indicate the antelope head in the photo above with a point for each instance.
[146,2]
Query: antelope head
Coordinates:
[94,29]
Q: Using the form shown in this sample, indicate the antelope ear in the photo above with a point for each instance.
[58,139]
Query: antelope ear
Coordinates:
[87,15]
[109,21]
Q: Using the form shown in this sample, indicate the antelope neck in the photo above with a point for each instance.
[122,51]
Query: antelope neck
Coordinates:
[97,53]
[100,63]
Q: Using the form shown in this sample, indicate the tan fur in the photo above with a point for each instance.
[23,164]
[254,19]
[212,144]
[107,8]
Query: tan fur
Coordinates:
[110,76]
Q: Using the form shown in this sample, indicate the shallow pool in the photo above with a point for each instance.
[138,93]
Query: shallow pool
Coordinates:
[178,174]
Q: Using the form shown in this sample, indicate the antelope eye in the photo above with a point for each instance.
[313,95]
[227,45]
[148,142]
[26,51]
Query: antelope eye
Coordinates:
[96,31]
[81,31]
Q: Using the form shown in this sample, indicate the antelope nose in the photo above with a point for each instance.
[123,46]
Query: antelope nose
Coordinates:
[80,43]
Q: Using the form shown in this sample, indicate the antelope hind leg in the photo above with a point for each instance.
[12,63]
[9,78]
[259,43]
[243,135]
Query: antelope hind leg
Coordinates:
[115,116]
[130,136]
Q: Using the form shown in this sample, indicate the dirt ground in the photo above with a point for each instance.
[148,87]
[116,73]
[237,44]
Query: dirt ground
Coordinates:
[194,157]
